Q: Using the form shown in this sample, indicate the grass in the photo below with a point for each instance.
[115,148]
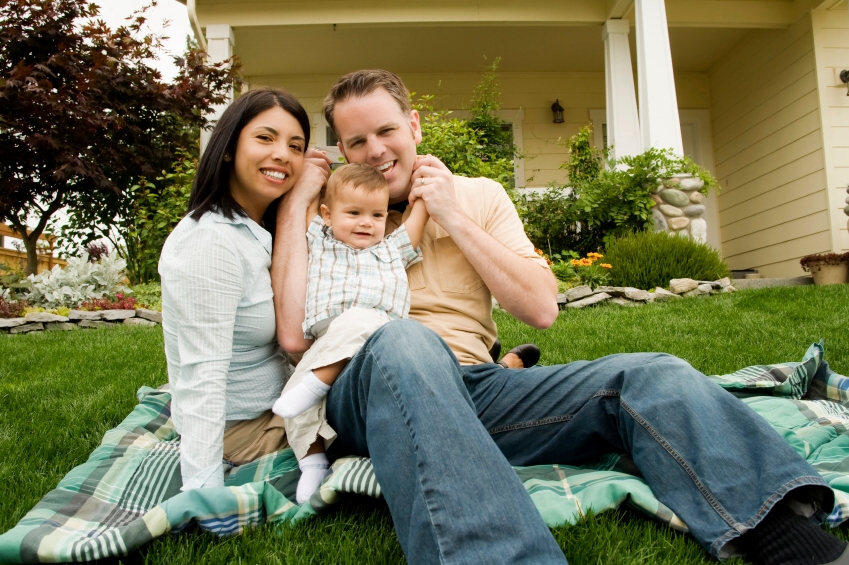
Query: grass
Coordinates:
[61,391]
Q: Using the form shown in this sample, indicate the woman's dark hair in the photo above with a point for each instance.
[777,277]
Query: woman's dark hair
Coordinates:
[211,188]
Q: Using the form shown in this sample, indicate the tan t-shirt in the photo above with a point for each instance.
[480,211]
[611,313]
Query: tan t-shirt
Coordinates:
[447,294]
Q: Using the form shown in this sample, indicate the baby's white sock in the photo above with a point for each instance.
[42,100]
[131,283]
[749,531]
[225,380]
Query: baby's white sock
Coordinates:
[304,395]
[313,470]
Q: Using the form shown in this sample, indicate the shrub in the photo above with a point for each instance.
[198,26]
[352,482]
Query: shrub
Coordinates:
[118,302]
[148,295]
[78,282]
[551,222]
[12,308]
[600,203]
[478,147]
[647,260]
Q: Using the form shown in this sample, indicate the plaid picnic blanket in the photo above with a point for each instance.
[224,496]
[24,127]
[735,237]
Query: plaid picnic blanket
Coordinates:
[128,492]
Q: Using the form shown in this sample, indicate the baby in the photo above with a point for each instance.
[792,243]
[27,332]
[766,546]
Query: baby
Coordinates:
[357,283]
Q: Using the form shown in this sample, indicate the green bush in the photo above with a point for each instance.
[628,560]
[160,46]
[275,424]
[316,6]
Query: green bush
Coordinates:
[647,260]
[478,147]
[148,295]
[600,202]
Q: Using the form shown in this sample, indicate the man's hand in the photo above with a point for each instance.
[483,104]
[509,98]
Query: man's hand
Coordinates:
[524,288]
[434,183]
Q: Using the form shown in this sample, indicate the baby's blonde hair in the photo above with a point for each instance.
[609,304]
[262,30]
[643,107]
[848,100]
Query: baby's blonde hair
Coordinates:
[356,175]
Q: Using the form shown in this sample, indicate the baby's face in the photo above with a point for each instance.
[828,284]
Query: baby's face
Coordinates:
[358,218]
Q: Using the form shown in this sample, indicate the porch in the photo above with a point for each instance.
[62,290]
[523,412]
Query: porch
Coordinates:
[753,83]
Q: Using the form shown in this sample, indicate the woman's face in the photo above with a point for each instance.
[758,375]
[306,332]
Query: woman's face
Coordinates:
[269,159]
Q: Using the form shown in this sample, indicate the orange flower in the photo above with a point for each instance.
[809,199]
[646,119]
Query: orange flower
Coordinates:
[575,262]
[606,266]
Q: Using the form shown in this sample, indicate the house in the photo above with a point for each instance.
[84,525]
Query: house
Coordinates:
[751,89]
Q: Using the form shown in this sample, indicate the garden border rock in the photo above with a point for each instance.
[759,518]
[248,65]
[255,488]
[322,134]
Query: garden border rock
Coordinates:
[582,296]
[76,319]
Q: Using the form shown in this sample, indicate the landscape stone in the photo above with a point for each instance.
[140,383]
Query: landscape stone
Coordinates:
[96,324]
[83,315]
[44,317]
[692,184]
[658,200]
[723,282]
[60,326]
[12,322]
[589,300]
[636,294]
[26,328]
[562,300]
[683,233]
[697,197]
[578,293]
[112,315]
[680,286]
[151,315]
[704,288]
[675,197]
[728,288]
[698,229]
[694,292]
[662,295]
[659,219]
[672,182]
[611,290]
[678,223]
[622,301]
[694,210]
[139,322]
[670,211]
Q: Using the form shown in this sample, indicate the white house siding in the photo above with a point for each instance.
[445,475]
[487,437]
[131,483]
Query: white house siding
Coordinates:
[533,92]
[768,146]
[831,42]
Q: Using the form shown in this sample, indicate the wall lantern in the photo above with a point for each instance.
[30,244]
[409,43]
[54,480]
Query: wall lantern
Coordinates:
[844,78]
[557,110]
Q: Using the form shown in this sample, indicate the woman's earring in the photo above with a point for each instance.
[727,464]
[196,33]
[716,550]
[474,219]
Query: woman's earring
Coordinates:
[227,157]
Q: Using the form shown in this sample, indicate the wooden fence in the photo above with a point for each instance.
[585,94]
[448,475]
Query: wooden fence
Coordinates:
[18,259]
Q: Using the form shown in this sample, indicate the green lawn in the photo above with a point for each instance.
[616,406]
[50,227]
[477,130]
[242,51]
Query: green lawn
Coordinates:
[60,392]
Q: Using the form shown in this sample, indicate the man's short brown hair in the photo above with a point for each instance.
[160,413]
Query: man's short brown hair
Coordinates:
[358,176]
[361,83]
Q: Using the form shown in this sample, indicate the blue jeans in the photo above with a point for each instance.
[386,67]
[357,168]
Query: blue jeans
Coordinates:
[442,439]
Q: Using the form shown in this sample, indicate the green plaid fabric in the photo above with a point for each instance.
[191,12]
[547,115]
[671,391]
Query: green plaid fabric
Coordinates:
[128,492]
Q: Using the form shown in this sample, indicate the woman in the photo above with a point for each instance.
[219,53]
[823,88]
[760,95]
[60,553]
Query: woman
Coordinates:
[225,367]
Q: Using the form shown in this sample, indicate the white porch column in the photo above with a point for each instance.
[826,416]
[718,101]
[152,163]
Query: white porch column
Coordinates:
[659,121]
[219,41]
[623,122]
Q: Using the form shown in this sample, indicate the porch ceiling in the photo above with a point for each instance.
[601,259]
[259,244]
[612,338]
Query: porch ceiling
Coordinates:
[310,50]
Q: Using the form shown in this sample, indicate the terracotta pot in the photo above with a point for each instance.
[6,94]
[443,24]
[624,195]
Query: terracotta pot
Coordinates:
[829,274]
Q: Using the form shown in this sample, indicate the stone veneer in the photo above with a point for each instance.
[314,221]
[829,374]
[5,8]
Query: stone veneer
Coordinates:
[680,207]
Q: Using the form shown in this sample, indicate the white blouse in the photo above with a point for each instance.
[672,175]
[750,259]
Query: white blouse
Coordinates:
[224,362]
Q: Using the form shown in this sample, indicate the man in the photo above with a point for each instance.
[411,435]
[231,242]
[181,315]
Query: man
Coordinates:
[442,424]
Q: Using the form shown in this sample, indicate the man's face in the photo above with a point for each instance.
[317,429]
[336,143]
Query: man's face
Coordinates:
[373,130]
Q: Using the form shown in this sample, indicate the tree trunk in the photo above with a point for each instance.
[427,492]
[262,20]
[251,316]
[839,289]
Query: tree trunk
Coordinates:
[30,243]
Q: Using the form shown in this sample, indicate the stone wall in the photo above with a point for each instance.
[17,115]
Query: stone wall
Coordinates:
[680,207]
[44,321]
